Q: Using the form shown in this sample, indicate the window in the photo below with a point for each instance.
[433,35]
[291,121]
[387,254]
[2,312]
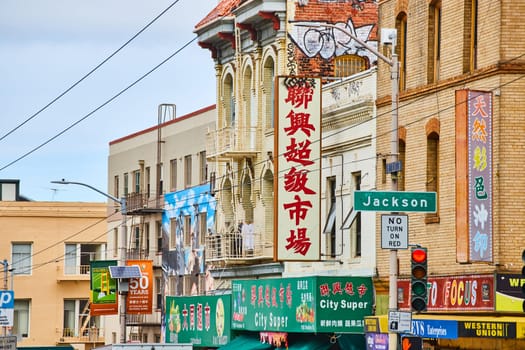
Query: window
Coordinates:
[401,26]
[115,242]
[78,257]
[329,228]
[188,234]
[401,176]
[268,78]
[21,318]
[187,171]
[432,183]
[116,186]
[160,174]
[471,36]
[148,181]
[346,65]
[158,291]
[203,168]
[434,44]
[159,236]
[174,227]
[229,101]
[136,237]
[173,174]
[126,184]
[136,181]
[21,258]
[203,227]
[77,321]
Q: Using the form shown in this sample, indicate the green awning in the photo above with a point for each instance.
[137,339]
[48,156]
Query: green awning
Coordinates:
[352,341]
[311,344]
[245,342]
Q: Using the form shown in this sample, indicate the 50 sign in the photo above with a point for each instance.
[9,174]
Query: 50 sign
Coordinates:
[140,297]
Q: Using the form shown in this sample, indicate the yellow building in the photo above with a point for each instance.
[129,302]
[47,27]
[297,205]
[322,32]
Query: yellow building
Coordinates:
[46,248]
[460,135]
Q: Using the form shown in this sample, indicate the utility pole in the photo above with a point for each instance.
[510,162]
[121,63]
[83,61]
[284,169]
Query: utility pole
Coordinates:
[389,37]
[122,248]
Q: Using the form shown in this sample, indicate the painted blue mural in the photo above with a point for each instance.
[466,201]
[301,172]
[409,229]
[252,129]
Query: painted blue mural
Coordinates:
[185,258]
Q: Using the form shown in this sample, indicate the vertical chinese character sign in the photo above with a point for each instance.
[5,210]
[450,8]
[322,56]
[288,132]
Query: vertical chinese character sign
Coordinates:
[297,168]
[480,175]
[474,239]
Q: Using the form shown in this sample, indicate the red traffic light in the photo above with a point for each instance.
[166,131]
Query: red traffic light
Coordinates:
[419,255]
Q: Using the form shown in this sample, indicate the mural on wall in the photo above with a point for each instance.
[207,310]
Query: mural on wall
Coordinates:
[329,42]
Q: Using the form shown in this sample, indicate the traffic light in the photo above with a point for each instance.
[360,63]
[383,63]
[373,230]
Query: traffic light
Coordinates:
[418,279]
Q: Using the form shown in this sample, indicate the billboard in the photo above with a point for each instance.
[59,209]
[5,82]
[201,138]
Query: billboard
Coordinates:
[140,295]
[103,289]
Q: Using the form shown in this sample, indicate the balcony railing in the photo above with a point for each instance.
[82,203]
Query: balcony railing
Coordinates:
[72,272]
[141,203]
[233,247]
[231,141]
[86,335]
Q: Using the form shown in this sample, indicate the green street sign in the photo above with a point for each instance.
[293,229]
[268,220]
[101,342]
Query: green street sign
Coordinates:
[396,201]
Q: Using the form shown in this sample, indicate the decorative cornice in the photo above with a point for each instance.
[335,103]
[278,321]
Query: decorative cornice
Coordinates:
[210,47]
[250,29]
[228,37]
[272,17]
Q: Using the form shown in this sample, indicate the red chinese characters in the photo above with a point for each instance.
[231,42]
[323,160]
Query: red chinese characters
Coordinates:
[300,145]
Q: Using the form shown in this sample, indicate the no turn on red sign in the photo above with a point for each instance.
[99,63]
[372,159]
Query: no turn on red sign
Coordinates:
[394,231]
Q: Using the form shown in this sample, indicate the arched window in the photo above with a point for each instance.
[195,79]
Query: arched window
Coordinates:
[346,65]
[268,78]
[401,49]
[228,101]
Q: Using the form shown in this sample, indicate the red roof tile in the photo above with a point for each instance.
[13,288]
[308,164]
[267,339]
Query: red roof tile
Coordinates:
[224,8]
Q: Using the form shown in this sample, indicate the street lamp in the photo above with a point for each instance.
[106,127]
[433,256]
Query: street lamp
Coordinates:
[122,246]
[389,37]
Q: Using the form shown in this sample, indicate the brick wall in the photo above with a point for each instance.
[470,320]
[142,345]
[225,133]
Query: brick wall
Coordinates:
[421,102]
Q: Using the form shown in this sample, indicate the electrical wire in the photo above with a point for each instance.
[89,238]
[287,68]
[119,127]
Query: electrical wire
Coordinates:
[88,74]
[262,162]
[98,108]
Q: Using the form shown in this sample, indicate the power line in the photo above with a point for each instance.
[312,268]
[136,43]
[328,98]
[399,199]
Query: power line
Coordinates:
[98,108]
[89,73]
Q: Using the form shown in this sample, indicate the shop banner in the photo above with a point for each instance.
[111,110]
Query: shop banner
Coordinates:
[453,293]
[203,321]
[302,305]
[509,293]
[376,341]
[297,168]
[140,296]
[442,329]
[486,329]
[104,293]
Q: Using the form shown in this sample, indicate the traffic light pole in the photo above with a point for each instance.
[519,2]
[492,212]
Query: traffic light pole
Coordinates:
[394,77]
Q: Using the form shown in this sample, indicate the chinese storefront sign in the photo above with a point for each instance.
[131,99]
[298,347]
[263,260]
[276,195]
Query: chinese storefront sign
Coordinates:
[140,296]
[302,305]
[474,176]
[203,321]
[104,297]
[454,293]
[297,168]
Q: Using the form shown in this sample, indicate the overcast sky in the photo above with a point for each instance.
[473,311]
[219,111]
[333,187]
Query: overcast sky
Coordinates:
[48,45]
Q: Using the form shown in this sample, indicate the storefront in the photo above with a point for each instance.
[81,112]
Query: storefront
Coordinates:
[463,312]
[309,313]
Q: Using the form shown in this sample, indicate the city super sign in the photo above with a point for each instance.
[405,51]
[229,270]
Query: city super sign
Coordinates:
[395,201]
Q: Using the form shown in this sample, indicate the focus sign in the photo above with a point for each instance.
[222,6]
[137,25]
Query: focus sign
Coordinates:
[394,231]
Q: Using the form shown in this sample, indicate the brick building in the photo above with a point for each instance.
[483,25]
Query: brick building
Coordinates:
[461,70]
